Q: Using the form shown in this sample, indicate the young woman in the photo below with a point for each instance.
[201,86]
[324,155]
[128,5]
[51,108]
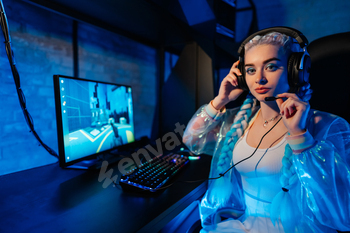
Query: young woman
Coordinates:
[278,166]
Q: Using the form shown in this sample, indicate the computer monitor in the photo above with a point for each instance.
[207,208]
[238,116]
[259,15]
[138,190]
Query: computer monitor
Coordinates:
[93,117]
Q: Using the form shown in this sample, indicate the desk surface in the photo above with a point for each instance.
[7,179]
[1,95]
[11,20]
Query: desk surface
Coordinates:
[51,199]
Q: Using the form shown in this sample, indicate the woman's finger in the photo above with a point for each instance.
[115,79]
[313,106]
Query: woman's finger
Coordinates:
[232,79]
[285,107]
[291,110]
[279,103]
[288,95]
[235,70]
[292,106]
[234,65]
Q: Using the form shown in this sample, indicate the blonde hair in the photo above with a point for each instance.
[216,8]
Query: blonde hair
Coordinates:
[289,44]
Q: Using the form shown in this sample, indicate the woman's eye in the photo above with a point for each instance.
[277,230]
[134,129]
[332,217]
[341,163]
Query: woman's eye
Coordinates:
[271,67]
[250,71]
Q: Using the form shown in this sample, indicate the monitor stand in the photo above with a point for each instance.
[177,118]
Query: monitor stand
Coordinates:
[112,156]
[95,163]
[85,164]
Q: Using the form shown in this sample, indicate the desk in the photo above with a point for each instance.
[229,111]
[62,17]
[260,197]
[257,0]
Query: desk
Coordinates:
[52,199]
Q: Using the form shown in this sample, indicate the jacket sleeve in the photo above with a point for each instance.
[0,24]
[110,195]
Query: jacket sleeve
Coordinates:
[205,128]
[321,160]
[205,133]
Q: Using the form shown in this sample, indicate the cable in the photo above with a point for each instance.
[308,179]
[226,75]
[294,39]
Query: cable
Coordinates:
[221,174]
[15,74]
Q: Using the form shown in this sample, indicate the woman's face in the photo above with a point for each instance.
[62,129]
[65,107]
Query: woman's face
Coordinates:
[266,71]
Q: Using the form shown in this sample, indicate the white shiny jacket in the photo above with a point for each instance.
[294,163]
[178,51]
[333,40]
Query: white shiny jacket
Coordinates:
[322,194]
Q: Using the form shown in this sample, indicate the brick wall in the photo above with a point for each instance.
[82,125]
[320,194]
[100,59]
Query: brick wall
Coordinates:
[42,44]
[107,57]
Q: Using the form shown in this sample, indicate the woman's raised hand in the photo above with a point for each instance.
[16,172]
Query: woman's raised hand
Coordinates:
[229,90]
[294,112]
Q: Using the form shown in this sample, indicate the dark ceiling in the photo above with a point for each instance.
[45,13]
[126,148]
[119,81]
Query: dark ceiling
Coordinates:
[158,23]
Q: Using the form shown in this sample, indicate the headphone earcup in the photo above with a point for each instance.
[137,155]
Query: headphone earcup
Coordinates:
[242,84]
[293,71]
[297,77]
[305,73]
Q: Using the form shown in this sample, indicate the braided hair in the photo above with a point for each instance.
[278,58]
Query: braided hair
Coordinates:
[240,123]
[219,194]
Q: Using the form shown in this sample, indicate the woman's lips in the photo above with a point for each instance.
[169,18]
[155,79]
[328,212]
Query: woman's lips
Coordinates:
[262,90]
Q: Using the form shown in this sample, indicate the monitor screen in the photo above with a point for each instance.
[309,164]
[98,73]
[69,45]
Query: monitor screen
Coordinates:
[92,117]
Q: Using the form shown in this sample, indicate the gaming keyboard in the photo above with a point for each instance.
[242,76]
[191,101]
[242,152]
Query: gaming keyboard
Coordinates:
[155,173]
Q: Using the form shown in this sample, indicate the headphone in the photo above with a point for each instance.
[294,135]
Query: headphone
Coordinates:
[299,63]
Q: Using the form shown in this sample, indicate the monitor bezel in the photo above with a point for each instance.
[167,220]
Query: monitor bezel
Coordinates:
[60,135]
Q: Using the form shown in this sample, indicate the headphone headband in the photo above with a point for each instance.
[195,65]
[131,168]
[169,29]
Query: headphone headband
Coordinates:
[285,30]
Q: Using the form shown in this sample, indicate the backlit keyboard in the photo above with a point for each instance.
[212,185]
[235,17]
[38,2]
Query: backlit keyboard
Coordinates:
[155,173]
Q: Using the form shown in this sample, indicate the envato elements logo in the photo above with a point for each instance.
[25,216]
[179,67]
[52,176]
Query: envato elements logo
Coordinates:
[170,139]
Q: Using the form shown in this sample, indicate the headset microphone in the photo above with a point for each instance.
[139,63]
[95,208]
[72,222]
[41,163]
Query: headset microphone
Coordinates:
[272,98]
